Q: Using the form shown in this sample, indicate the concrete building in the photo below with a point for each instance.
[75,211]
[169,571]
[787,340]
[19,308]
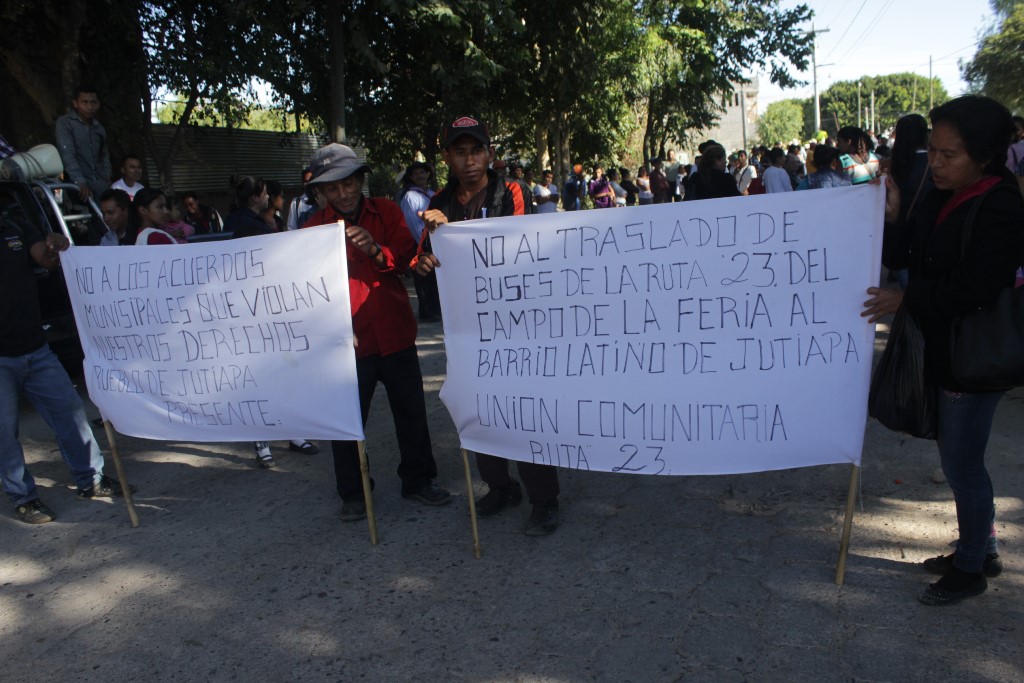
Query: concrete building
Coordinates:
[737,127]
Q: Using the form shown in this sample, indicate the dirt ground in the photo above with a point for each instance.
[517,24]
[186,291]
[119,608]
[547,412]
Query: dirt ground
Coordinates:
[238,573]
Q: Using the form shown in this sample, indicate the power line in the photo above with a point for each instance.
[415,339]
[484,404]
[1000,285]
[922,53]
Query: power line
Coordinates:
[966,47]
[849,25]
[870,26]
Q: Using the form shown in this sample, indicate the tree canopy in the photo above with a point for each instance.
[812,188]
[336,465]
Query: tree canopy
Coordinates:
[997,69]
[895,96]
[557,82]
[782,121]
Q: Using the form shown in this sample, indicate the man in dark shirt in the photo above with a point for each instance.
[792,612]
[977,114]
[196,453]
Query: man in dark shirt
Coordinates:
[28,365]
[200,216]
[82,144]
[474,191]
[379,247]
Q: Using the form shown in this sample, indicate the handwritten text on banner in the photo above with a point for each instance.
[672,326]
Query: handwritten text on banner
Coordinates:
[697,338]
[238,340]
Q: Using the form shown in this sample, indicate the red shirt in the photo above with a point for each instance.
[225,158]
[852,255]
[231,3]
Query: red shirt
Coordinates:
[382,316]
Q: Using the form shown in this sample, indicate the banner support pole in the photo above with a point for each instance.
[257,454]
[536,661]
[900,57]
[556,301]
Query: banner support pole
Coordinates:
[116,457]
[472,504]
[364,470]
[844,545]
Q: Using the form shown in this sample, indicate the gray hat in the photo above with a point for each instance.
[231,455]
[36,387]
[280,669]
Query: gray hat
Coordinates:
[335,162]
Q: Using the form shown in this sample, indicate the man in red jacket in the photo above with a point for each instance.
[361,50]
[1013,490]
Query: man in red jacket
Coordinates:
[379,247]
[475,191]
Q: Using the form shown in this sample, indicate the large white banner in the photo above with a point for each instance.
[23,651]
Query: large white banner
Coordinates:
[239,340]
[704,337]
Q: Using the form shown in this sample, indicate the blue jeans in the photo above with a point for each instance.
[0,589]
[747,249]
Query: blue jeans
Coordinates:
[965,421]
[40,375]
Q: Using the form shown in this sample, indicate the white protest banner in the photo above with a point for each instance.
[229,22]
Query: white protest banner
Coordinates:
[238,340]
[704,337]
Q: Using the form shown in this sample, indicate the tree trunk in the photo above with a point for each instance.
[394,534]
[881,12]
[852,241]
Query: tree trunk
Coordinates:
[336,35]
[540,136]
[165,161]
[649,132]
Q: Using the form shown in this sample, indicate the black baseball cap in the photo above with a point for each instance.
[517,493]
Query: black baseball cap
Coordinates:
[466,125]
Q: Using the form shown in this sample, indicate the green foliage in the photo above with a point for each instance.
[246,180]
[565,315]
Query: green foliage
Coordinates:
[782,121]
[701,48]
[254,118]
[997,70]
[895,96]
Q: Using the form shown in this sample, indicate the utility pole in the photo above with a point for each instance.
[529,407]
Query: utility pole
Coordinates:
[931,86]
[743,112]
[858,104]
[874,120]
[814,75]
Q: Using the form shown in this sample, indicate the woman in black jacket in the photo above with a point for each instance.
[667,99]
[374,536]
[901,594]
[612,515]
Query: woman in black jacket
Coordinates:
[711,180]
[966,155]
[251,200]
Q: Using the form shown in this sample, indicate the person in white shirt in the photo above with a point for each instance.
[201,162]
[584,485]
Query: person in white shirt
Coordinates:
[415,195]
[414,199]
[743,173]
[131,173]
[545,193]
[775,177]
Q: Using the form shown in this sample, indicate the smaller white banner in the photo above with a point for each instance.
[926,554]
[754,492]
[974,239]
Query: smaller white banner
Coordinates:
[239,340]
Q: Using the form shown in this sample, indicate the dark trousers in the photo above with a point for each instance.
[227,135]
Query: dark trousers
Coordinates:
[540,481]
[427,295]
[400,374]
[965,421]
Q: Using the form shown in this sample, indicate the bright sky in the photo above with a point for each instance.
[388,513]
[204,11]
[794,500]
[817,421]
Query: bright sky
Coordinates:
[877,37]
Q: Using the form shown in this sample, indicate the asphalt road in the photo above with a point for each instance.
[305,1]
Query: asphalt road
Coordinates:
[238,573]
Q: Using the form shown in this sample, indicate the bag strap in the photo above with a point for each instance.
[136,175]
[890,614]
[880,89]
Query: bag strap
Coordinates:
[913,203]
[965,238]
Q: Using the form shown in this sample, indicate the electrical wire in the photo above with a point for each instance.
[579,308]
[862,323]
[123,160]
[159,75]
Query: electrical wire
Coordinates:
[849,25]
[870,27]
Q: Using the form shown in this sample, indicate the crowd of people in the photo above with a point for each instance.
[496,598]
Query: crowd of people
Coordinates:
[937,173]
[852,158]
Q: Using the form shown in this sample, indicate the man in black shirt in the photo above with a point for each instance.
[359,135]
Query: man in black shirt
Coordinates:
[475,191]
[27,364]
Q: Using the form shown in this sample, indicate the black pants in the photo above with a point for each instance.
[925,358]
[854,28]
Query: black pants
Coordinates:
[540,481]
[427,295]
[400,374]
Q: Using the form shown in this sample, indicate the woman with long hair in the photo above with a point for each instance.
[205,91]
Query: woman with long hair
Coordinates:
[963,247]
[271,214]
[909,161]
[711,180]
[153,218]
[251,199]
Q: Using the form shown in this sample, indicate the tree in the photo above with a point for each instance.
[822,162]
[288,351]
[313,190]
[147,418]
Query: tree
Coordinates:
[997,69]
[895,96]
[782,121]
[703,48]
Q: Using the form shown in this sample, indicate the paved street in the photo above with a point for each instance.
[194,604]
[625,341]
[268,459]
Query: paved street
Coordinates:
[238,573]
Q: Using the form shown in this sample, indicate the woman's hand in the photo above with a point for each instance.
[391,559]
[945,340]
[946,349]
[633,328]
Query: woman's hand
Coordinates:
[892,200]
[882,303]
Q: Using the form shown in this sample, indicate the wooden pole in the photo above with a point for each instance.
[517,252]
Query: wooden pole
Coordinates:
[844,545]
[472,505]
[364,470]
[116,457]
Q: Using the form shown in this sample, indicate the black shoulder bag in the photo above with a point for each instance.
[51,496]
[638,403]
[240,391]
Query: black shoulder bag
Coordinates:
[986,346]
